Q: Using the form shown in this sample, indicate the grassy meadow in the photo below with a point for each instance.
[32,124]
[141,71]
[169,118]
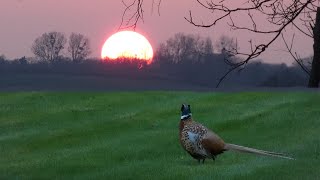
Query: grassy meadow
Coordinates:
[134,135]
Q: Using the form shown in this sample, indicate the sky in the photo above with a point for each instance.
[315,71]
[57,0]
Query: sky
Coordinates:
[22,21]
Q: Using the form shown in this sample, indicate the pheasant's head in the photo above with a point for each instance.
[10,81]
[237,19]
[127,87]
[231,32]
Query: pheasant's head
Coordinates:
[185,112]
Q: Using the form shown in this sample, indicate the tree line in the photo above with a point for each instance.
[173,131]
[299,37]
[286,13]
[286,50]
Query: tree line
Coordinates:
[52,46]
[183,57]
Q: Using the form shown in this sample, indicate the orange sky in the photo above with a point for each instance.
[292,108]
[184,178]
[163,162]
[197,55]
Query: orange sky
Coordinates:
[24,20]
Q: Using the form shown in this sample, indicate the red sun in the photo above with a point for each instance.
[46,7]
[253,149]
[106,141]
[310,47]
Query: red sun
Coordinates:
[127,44]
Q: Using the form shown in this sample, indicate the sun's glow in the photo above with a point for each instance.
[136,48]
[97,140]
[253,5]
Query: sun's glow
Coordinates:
[127,44]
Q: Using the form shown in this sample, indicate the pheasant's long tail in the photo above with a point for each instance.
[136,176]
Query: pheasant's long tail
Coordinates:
[244,149]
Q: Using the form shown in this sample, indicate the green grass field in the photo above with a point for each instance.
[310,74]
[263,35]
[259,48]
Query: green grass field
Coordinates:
[135,135]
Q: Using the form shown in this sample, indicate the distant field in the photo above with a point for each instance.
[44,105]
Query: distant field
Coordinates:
[135,135]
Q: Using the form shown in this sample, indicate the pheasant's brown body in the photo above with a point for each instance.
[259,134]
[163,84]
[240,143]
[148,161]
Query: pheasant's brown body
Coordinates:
[202,143]
[198,141]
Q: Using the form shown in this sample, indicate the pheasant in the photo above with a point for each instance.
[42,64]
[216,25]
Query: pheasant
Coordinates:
[202,143]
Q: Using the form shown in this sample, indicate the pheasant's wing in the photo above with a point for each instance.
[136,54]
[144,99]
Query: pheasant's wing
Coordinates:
[192,137]
[195,141]
[212,143]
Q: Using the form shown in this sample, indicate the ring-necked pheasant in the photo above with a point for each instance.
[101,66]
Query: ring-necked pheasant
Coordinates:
[202,143]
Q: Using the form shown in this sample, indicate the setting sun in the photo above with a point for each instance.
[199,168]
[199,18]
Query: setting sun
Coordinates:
[127,44]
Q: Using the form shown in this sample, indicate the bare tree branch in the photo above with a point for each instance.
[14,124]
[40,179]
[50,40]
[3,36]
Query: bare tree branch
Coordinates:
[130,18]
[279,14]
[158,6]
[133,19]
[295,55]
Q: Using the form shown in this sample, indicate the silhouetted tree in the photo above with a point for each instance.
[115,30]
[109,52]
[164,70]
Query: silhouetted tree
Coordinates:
[79,47]
[2,59]
[207,47]
[48,46]
[23,60]
[280,15]
[226,44]
[185,47]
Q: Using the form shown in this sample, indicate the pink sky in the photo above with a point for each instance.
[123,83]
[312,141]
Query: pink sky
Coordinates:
[24,20]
